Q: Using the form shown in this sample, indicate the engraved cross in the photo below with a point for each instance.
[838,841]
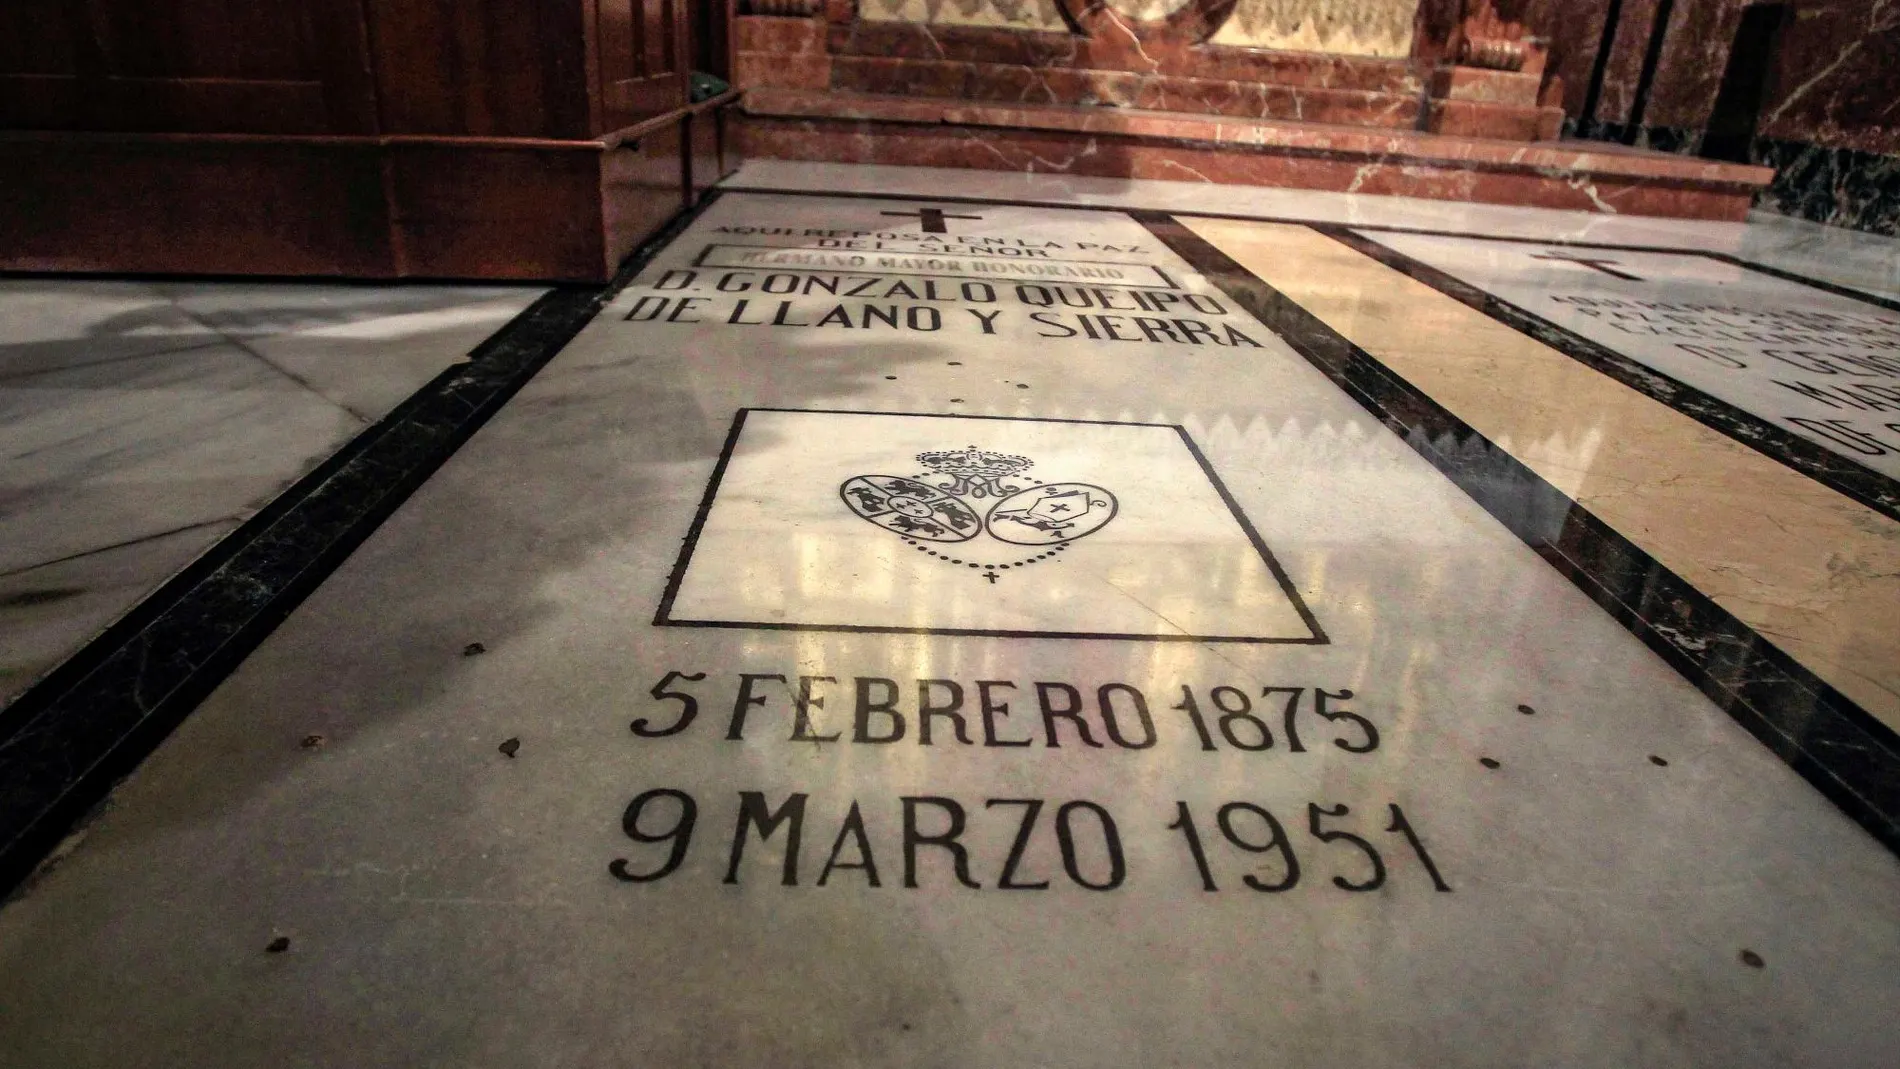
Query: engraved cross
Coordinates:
[933,219]
[1594,264]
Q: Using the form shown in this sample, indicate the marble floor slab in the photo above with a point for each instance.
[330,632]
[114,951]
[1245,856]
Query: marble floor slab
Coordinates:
[1868,262]
[1821,365]
[1815,572]
[477,803]
[49,607]
[142,421]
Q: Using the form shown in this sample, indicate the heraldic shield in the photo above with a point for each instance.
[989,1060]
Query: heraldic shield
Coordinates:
[940,505]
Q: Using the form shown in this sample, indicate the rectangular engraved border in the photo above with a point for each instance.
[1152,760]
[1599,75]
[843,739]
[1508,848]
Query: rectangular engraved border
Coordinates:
[663,617]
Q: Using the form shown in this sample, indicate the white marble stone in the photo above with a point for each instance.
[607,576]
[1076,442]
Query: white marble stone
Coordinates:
[103,454]
[890,538]
[54,324]
[49,610]
[1822,366]
[447,904]
[365,348]
[1868,262]
[171,410]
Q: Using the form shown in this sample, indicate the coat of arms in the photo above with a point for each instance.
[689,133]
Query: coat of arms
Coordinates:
[942,511]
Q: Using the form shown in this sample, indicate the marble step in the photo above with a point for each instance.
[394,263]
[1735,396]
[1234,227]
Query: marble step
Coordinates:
[1050,51]
[1008,83]
[1138,143]
[979,64]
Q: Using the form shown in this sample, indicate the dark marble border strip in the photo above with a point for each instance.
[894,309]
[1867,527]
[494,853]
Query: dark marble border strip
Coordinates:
[1834,186]
[66,741]
[1844,187]
[1830,469]
[1838,747]
[1890,304]
[663,616]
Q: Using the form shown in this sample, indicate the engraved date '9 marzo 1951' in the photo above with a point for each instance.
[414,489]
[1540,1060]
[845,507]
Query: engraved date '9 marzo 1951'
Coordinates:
[1236,844]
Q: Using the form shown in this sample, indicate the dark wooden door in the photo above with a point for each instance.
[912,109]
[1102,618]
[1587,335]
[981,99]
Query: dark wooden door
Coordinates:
[227,66]
[644,59]
[42,50]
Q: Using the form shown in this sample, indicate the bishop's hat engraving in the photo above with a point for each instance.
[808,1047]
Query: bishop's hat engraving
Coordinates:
[940,506]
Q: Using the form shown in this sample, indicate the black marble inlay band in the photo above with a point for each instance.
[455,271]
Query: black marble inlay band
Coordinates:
[1838,473]
[1834,744]
[66,741]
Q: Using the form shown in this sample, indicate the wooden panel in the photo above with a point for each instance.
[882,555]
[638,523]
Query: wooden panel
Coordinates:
[644,52]
[714,152]
[184,65]
[39,101]
[191,207]
[207,39]
[702,133]
[730,157]
[134,184]
[497,213]
[40,37]
[642,186]
[44,46]
[501,68]
[217,105]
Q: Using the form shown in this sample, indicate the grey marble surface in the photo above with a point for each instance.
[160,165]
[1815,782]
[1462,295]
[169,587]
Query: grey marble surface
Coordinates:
[1868,262]
[1611,840]
[141,421]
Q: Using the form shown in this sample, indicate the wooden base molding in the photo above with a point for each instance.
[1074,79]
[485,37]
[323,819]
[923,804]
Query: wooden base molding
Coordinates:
[360,207]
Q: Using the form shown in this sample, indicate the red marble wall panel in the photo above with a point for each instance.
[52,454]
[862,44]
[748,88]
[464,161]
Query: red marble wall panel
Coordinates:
[1836,80]
[1574,30]
[1474,83]
[980,44]
[1468,118]
[753,33]
[1055,85]
[751,69]
[1694,56]
[1625,66]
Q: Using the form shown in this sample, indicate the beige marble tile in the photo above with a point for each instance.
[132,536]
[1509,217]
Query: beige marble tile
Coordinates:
[1810,569]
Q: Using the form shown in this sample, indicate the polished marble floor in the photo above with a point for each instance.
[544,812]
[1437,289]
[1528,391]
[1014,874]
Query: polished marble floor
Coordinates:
[900,631]
[1847,257]
[142,421]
